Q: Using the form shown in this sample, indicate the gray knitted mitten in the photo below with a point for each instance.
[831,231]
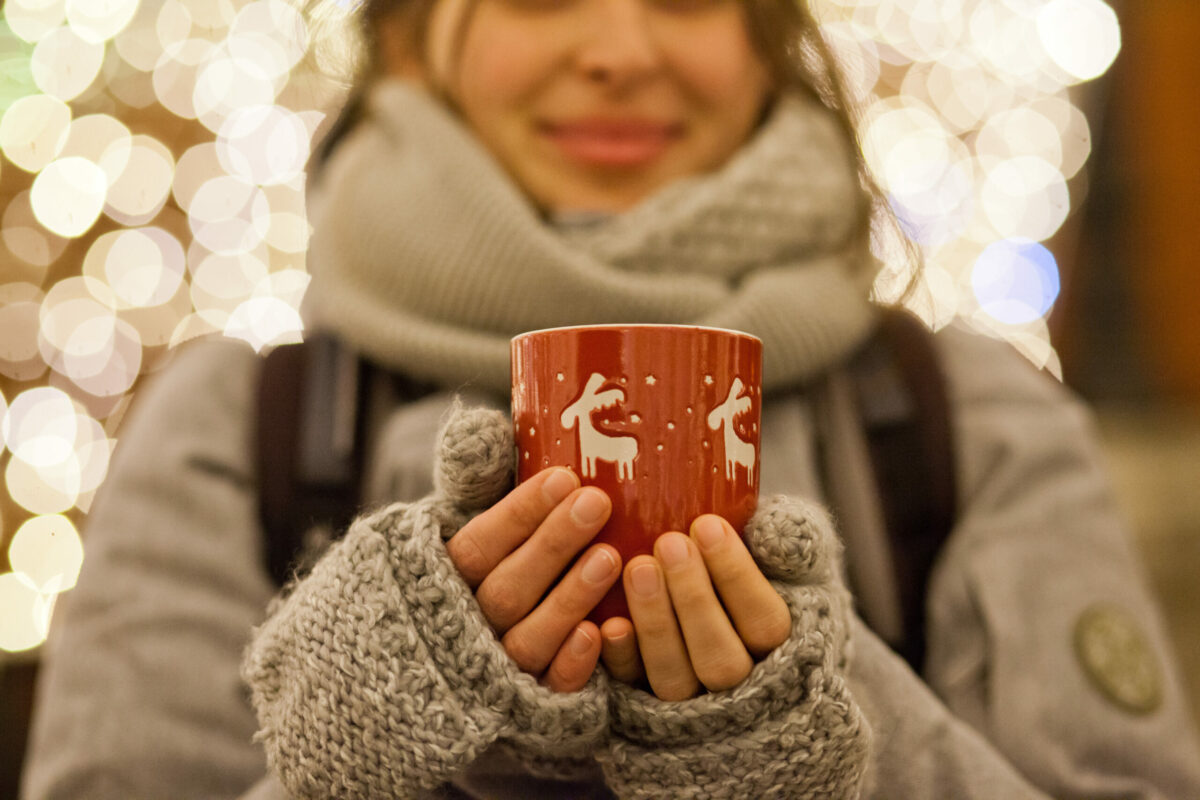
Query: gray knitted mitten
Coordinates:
[378,676]
[791,729]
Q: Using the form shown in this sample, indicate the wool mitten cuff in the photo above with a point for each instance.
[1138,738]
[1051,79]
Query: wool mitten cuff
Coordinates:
[791,729]
[378,675]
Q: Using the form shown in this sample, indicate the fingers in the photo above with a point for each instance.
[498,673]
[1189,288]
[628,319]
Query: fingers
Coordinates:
[718,656]
[536,639]
[518,583]
[759,614]
[487,539]
[575,661]
[660,641]
[619,651]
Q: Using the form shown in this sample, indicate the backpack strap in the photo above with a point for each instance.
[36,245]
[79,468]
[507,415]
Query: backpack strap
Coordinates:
[315,400]
[310,450]
[899,396]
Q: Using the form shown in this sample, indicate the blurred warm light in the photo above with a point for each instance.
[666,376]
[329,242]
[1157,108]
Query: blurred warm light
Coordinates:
[29,489]
[972,130]
[97,21]
[101,139]
[143,186]
[64,65]
[20,359]
[47,550]
[264,145]
[68,196]
[1025,197]
[26,618]
[39,427]
[33,131]
[26,238]
[170,139]
[265,321]
[1082,36]
[176,74]
[143,266]
[229,215]
[32,20]
[223,281]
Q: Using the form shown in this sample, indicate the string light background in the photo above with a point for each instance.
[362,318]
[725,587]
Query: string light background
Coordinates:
[152,184]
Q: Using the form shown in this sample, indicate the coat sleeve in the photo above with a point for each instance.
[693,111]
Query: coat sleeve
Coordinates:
[139,694]
[1043,634]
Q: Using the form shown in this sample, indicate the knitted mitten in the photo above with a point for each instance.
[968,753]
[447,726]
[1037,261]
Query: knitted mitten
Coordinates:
[378,675]
[791,729]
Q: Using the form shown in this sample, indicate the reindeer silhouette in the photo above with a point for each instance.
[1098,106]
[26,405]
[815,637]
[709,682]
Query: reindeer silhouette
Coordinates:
[737,451]
[593,444]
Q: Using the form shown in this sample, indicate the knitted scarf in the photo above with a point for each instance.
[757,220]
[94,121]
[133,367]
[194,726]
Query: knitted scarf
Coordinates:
[428,258]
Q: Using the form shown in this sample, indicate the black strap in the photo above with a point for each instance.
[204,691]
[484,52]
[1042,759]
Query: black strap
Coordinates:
[314,403]
[310,449]
[902,397]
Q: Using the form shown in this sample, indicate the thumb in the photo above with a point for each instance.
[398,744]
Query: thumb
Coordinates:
[474,457]
[793,540]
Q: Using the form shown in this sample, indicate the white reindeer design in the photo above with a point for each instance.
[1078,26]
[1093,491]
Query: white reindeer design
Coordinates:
[737,451]
[593,444]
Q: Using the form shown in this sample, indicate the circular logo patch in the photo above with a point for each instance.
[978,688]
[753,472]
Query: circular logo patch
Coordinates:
[1118,658]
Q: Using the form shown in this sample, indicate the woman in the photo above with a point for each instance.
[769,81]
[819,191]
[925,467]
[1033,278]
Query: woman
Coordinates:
[520,164]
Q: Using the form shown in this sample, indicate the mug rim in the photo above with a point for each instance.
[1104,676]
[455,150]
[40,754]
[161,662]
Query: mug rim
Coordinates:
[637,326]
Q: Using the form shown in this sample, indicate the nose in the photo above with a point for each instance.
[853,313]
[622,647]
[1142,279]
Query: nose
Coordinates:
[618,45]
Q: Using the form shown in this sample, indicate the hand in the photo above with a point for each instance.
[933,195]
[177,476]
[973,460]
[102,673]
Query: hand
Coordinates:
[513,552]
[682,636]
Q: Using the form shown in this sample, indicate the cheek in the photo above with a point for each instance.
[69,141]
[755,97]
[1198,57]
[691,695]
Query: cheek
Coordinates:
[499,69]
[721,72]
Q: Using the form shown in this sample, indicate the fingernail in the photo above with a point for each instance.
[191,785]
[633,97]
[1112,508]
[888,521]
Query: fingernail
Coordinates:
[580,642]
[709,532]
[589,506]
[619,638]
[672,551]
[598,566]
[644,578]
[557,486]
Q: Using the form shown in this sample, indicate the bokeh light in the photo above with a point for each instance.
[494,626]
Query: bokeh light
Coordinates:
[101,139]
[974,131]
[40,426]
[48,551]
[68,196]
[1081,36]
[33,131]
[163,146]
[141,189]
[97,21]
[32,20]
[64,64]
[1015,280]
[26,618]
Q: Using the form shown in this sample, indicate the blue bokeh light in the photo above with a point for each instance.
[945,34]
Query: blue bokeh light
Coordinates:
[1016,280]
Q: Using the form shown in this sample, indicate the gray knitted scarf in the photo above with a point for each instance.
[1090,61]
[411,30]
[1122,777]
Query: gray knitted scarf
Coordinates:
[428,258]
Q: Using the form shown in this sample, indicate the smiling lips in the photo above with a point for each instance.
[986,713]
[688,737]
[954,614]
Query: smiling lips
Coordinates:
[604,142]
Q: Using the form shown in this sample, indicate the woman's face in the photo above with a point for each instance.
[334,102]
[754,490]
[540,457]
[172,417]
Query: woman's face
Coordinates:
[594,104]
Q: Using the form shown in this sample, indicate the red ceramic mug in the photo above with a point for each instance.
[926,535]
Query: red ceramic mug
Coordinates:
[663,418]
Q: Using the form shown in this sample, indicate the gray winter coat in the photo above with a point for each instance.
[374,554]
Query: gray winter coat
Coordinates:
[1048,671]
